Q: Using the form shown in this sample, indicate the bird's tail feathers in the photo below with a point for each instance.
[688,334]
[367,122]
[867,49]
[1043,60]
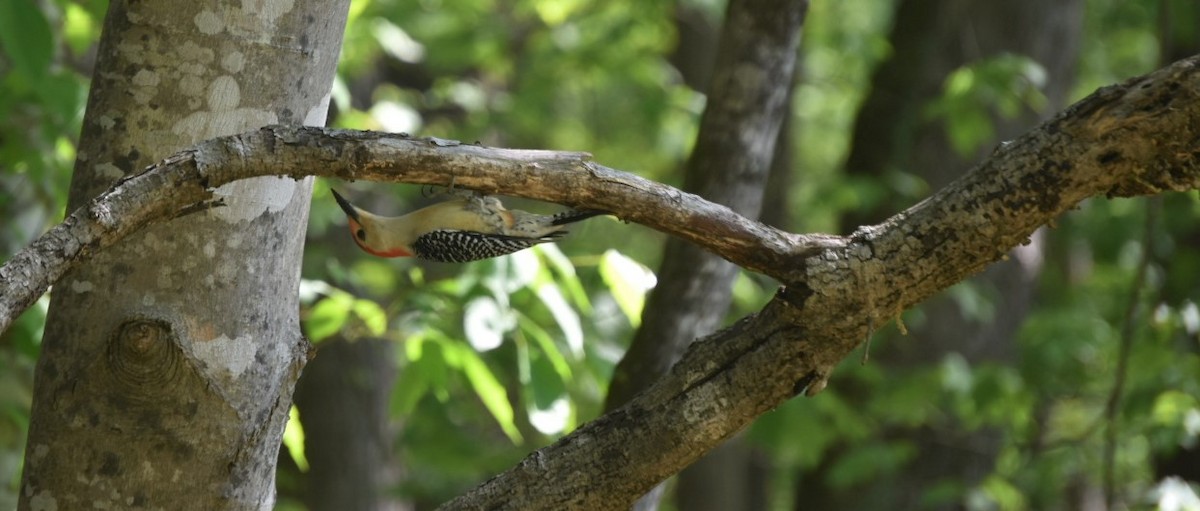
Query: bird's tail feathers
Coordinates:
[574,215]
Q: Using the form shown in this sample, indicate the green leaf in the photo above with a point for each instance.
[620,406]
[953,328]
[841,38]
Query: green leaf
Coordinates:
[328,316]
[25,37]
[372,315]
[997,493]
[376,275]
[566,277]
[547,345]
[1172,407]
[413,382]
[628,281]
[437,356]
[293,439]
[80,28]
[490,391]
[565,316]
[867,461]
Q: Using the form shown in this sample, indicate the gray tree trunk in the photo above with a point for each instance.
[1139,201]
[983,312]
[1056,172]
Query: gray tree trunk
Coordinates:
[747,102]
[168,361]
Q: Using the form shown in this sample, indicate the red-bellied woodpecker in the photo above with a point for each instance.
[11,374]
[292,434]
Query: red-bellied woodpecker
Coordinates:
[458,230]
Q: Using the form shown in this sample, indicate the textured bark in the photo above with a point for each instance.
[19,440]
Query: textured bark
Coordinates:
[1135,138]
[168,359]
[747,102]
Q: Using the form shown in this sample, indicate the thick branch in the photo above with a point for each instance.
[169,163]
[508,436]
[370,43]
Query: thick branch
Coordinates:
[188,178]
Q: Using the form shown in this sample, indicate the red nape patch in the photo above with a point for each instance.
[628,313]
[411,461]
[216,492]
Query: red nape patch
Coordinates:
[395,252]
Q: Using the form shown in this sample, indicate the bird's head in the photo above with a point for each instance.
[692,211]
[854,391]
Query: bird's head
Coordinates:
[370,231]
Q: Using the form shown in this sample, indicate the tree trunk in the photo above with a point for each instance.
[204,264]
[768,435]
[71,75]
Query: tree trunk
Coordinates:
[168,360]
[747,102]
[343,402]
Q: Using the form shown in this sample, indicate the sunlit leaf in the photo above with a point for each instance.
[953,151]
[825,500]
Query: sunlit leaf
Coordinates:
[293,439]
[80,29]
[996,493]
[1172,406]
[628,281]
[328,316]
[956,373]
[396,42]
[565,276]
[396,117]
[565,316]
[554,12]
[372,315]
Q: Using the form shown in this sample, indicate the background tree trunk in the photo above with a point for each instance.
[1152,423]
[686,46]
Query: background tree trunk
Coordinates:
[894,134]
[747,102]
[343,402]
[168,361]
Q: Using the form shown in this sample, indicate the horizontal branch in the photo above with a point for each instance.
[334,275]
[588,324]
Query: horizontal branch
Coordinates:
[189,177]
[1128,139]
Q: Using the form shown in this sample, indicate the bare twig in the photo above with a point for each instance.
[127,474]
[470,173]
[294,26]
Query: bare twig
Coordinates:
[1128,327]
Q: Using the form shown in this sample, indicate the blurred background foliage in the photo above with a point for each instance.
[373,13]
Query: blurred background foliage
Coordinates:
[469,367]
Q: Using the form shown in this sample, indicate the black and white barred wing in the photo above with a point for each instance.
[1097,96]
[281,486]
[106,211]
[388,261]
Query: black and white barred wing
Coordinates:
[454,246]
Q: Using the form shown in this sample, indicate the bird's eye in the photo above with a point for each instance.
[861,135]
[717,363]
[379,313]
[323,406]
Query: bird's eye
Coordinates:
[361,234]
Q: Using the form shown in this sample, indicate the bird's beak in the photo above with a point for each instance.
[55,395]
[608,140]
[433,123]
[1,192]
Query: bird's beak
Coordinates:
[350,210]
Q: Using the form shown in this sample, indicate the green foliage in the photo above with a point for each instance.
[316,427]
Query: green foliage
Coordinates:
[329,315]
[41,102]
[843,41]
[1049,408]
[502,356]
[1006,84]
[628,281]
[25,35]
[293,439]
[537,74]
